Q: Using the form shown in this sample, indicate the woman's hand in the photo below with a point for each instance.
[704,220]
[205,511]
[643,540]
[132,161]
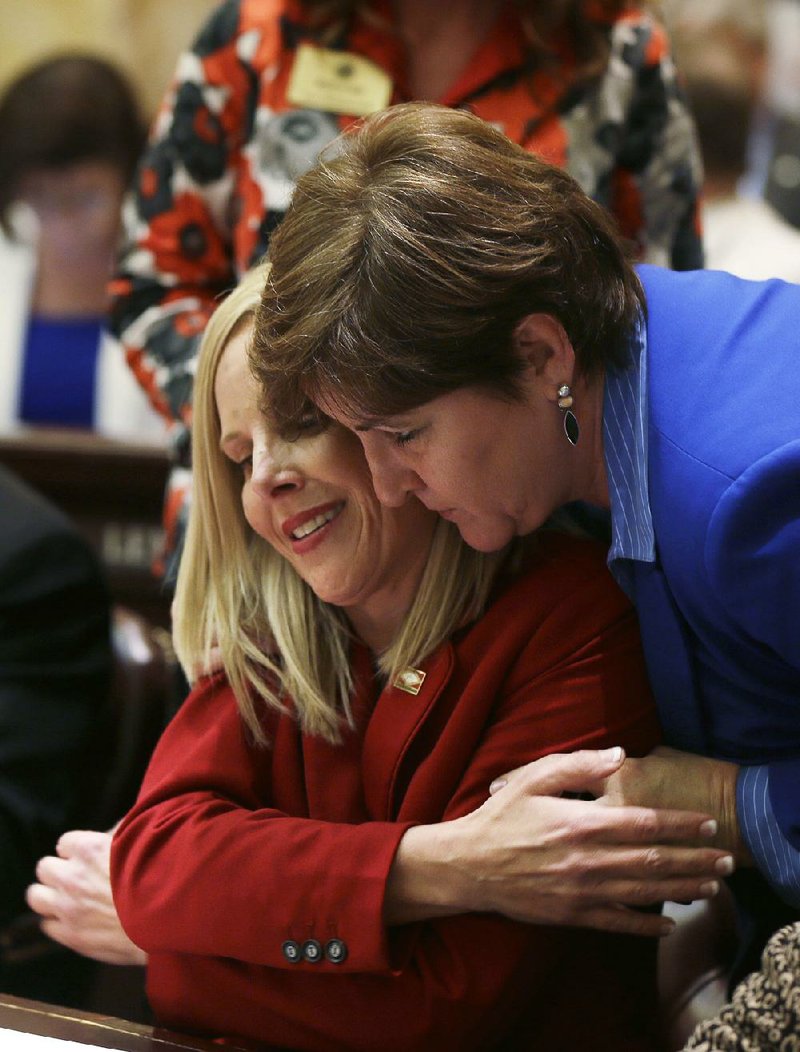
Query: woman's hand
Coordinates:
[73,897]
[535,856]
[667,778]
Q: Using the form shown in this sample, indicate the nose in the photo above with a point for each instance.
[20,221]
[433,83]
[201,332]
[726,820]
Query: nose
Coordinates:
[393,480]
[272,471]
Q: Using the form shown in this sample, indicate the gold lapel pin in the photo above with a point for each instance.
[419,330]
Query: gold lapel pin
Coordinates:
[410,680]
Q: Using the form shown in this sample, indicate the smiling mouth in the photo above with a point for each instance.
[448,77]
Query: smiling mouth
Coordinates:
[312,525]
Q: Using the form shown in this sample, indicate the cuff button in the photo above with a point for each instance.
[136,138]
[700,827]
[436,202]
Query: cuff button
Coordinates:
[336,951]
[312,951]
[292,951]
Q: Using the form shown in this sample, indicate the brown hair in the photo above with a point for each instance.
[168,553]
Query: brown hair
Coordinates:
[65,110]
[410,254]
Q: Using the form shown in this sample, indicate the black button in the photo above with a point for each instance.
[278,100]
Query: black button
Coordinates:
[292,951]
[336,951]
[312,950]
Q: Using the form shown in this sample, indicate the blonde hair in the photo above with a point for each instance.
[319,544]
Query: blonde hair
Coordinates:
[235,592]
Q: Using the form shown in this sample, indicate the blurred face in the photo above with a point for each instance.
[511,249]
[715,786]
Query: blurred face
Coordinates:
[78,209]
[497,469]
[313,501]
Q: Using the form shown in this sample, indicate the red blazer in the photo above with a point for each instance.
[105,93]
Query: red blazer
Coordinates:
[255,877]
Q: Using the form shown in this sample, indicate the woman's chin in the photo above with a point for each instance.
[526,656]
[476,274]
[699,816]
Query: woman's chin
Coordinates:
[486,535]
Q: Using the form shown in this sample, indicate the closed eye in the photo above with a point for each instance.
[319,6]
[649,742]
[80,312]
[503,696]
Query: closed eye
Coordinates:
[404,438]
[244,464]
[308,425]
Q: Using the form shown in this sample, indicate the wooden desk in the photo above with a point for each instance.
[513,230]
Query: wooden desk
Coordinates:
[85,1028]
[114,493]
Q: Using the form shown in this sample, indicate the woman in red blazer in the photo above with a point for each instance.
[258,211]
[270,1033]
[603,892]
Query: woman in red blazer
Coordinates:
[378,675]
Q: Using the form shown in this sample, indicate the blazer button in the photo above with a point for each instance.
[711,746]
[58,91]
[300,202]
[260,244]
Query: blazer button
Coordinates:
[312,951]
[336,951]
[292,951]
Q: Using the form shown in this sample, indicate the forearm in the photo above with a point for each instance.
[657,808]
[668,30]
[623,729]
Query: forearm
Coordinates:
[669,778]
[426,880]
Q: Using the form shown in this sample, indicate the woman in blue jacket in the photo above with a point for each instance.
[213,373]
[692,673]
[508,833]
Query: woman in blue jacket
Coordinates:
[473,316]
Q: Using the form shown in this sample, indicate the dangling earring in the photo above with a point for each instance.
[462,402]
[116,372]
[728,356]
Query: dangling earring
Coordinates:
[571,428]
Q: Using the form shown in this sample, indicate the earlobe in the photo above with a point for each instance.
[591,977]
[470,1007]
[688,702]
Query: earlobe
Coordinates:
[541,340]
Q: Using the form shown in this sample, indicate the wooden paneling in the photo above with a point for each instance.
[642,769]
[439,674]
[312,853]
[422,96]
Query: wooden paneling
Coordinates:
[144,37]
[114,493]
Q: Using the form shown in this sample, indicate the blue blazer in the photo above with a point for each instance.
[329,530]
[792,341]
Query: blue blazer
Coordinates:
[720,609]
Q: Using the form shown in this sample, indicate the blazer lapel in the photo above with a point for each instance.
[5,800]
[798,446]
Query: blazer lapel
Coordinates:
[396,720]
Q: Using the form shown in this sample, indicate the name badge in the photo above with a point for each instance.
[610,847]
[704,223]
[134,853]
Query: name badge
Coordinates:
[337,81]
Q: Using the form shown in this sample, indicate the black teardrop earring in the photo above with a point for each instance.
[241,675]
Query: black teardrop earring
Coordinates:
[571,428]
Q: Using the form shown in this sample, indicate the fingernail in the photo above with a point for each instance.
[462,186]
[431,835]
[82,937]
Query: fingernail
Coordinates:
[724,865]
[614,755]
[497,784]
[710,888]
[667,926]
[708,828]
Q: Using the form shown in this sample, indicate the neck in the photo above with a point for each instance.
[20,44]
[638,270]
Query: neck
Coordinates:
[70,292]
[719,187]
[378,622]
[590,479]
[437,47]
[378,619]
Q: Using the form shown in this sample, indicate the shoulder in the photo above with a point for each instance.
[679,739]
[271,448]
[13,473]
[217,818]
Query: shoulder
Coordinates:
[27,517]
[560,655]
[639,41]
[559,563]
[714,393]
[562,595]
[695,295]
[208,716]
[44,560]
[261,21]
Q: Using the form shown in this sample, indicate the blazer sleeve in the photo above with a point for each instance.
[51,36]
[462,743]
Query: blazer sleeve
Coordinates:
[203,865]
[771,830]
[54,667]
[655,185]
[753,559]
[177,254]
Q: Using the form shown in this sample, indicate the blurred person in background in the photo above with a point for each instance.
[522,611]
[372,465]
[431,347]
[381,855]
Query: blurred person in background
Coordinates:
[70,136]
[742,233]
[783,91]
[55,662]
[590,85]
[738,27]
